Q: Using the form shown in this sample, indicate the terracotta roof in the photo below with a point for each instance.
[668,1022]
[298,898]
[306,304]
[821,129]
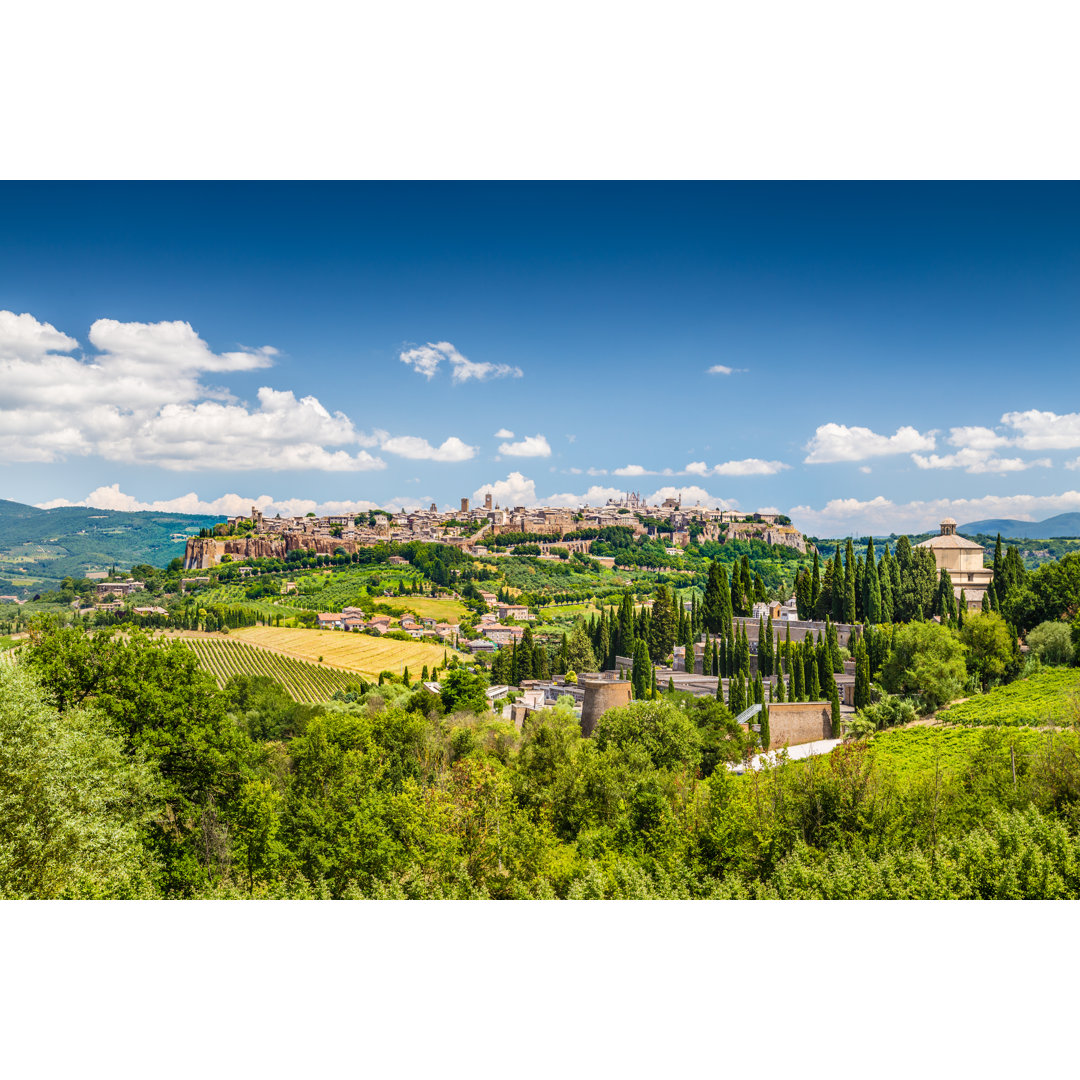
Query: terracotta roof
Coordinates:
[952,541]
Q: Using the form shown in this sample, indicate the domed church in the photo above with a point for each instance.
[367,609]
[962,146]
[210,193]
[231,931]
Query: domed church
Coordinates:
[964,561]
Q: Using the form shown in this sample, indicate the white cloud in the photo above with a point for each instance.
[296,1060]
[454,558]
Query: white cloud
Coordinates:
[1075,464]
[691,495]
[417,449]
[865,469]
[591,471]
[139,400]
[22,337]
[573,470]
[519,490]
[595,496]
[426,359]
[972,460]
[112,498]
[838,442]
[976,438]
[530,446]
[723,369]
[632,470]
[745,467]
[515,490]
[502,433]
[1044,430]
[881,515]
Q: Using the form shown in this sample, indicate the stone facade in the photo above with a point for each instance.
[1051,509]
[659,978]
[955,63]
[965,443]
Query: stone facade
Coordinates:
[794,722]
[964,560]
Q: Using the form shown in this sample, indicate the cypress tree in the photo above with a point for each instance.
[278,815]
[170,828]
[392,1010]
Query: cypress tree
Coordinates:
[764,735]
[780,695]
[823,607]
[707,657]
[715,658]
[872,604]
[849,583]
[885,581]
[862,675]
[834,700]
[720,690]
[815,586]
[641,676]
[652,688]
[797,673]
[712,608]
[813,688]
[837,587]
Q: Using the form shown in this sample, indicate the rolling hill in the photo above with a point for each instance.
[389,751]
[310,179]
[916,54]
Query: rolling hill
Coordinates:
[1061,525]
[40,547]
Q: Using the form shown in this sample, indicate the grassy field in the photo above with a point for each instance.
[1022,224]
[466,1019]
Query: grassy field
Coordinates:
[425,607]
[303,681]
[1048,697]
[361,653]
[924,750]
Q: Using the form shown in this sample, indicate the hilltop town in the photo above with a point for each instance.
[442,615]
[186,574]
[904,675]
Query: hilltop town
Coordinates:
[477,530]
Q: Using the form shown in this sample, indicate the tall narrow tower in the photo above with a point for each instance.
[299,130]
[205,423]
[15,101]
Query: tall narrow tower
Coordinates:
[464,506]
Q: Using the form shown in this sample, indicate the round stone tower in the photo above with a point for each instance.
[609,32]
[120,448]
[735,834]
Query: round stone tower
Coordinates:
[601,695]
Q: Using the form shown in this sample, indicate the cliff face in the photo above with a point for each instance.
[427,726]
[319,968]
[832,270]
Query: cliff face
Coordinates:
[202,551]
[770,534]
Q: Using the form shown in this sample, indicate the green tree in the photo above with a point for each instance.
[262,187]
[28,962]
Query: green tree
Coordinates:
[1051,642]
[662,626]
[849,583]
[927,663]
[862,673]
[641,673]
[990,646]
[579,651]
[257,821]
[74,800]
[462,690]
[872,586]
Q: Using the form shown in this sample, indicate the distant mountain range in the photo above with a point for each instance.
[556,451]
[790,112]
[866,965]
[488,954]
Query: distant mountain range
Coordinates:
[40,547]
[1062,525]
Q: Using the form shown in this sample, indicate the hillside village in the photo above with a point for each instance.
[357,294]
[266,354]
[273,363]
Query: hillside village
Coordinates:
[475,530]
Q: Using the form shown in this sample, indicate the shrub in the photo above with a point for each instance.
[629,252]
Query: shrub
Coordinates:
[1052,643]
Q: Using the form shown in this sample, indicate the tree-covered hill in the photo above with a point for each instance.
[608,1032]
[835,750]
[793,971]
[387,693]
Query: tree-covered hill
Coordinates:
[39,547]
[1061,525]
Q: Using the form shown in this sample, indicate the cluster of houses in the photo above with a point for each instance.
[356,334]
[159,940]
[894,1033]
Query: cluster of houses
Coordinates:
[353,619]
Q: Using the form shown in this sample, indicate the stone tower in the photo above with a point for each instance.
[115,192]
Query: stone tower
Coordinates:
[601,695]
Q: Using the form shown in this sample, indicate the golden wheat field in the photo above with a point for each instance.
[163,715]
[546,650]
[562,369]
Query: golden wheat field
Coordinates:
[353,652]
[425,607]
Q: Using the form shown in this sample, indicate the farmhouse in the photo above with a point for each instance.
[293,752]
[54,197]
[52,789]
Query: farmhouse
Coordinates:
[117,588]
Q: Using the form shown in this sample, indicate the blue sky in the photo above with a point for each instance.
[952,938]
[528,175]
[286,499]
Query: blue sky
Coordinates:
[866,356]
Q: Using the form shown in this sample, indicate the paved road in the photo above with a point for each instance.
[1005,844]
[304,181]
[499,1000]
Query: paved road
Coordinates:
[803,750]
